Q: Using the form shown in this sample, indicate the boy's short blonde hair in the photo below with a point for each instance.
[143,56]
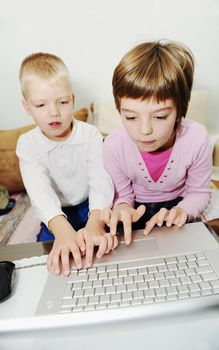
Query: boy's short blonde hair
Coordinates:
[41,65]
[160,70]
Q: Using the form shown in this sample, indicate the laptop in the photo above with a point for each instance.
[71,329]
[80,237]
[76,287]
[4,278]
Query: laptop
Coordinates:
[171,270]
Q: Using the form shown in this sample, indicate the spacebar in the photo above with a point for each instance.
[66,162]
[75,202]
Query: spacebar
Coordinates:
[141,263]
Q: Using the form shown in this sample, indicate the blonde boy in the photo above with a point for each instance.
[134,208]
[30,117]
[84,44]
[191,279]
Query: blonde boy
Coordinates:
[61,166]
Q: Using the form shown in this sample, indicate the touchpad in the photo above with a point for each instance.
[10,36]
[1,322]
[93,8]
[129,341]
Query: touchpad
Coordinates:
[139,249]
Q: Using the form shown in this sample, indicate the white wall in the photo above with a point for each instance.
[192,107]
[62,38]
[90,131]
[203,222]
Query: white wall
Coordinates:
[91,36]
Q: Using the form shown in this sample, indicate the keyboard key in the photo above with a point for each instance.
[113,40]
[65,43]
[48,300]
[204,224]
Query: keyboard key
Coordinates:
[93,300]
[195,294]
[112,267]
[172,267]
[97,284]
[181,259]
[183,289]
[126,296]
[191,257]
[209,277]
[204,269]
[200,256]
[100,291]
[82,301]
[194,287]
[131,287]
[160,292]
[215,284]
[110,290]
[116,298]
[171,260]
[171,290]
[121,288]
[138,294]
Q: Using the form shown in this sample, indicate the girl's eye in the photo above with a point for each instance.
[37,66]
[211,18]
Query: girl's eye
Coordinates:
[64,102]
[130,117]
[40,105]
[160,116]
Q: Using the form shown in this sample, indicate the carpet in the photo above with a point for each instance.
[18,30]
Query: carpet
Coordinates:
[10,221]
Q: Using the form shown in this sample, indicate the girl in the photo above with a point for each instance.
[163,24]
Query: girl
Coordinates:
[159,161]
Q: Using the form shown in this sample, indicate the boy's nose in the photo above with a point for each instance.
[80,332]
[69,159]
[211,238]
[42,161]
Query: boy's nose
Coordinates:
[54,111]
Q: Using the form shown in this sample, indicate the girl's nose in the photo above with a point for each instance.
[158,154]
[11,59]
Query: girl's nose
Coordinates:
[146,128]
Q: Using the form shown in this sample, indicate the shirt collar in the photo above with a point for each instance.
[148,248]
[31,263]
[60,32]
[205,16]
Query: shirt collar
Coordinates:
[76,137]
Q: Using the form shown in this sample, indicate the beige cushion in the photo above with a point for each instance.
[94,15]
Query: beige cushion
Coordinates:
[10,176]
[198,106]
[105,116]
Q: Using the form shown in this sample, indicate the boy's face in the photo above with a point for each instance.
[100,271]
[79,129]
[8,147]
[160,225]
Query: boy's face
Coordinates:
[149,124]
[50,103]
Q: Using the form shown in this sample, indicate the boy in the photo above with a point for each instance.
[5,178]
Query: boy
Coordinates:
[159,161]
[61,165]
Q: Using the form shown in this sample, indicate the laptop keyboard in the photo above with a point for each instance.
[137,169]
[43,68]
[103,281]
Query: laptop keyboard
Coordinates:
[141,282]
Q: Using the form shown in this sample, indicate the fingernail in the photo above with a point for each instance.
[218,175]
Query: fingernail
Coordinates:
[168,224]
[56,272]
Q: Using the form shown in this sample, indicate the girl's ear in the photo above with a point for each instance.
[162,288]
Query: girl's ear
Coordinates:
[177,123]
[73,100]
[26,106]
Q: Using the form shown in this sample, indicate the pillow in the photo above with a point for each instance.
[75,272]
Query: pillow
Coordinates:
[81,114]
[10,176]
[105,116]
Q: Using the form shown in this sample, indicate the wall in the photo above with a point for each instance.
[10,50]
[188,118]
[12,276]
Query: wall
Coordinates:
[92,35]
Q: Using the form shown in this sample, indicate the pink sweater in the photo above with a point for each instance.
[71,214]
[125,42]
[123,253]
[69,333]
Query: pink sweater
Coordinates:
[186,174]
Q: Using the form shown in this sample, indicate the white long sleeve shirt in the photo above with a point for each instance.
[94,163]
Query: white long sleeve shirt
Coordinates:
[63,173]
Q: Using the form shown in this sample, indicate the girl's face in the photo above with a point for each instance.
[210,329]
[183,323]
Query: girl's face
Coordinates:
[149,124]
[50,103]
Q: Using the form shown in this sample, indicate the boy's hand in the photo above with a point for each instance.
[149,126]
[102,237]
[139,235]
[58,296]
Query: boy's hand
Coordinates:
[175,216]
[122,213]
[64,245]
[94,234]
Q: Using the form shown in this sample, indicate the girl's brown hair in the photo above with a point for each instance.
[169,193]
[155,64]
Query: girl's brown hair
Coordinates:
[160,70]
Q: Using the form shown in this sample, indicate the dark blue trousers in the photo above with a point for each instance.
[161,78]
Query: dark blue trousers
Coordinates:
[77,216]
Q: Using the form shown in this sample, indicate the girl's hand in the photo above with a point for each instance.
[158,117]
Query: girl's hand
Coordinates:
[122,213]
[175,216]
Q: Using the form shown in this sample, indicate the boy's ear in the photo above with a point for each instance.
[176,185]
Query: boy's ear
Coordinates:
[73,100]
[26,106]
